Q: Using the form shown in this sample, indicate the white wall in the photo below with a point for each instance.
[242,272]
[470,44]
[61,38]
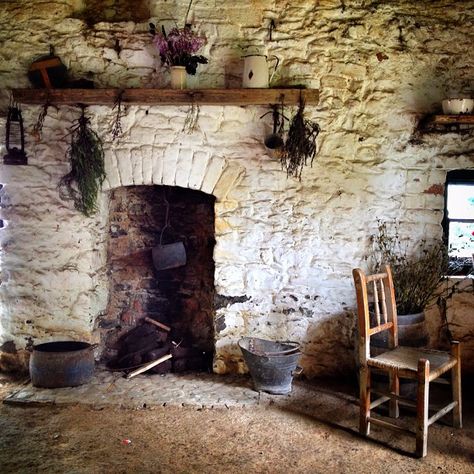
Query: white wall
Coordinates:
[288,247]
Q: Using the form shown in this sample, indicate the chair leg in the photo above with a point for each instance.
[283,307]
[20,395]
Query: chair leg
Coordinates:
[394,388]
[422,408]
[364,382]
[456,384]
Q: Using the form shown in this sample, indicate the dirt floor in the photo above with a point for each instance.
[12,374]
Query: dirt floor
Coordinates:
[79,439]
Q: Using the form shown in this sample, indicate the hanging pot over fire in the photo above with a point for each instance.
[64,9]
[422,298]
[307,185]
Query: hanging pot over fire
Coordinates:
[172,255]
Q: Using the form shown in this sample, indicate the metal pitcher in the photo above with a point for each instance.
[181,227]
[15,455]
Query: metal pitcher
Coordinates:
[256,70]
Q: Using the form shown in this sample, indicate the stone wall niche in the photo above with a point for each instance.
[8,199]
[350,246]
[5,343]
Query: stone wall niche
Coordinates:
[181,298]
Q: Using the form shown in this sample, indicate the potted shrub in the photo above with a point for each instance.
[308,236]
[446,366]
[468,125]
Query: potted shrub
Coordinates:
[417,272]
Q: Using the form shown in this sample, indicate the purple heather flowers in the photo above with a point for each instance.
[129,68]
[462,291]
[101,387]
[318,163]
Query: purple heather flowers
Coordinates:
[177,48]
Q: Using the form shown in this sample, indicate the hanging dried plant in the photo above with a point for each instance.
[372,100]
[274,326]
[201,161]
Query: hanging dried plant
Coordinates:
[191,120]
[300,145]
[117,130]
[87,174]
[38,128]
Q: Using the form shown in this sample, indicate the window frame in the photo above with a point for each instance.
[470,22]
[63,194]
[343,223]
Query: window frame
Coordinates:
[466,177]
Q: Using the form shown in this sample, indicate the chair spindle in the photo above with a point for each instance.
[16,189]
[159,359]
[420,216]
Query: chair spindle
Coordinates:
[384,303]
[376,302]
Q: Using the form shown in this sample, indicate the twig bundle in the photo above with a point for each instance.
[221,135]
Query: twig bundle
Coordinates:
[38,128]
[300,146]
[191,120]
[117,129]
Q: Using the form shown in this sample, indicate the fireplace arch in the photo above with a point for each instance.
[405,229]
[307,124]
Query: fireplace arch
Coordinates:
[172,166]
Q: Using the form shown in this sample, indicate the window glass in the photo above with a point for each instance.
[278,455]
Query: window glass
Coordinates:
[459,221]
[460,203]
[461,239]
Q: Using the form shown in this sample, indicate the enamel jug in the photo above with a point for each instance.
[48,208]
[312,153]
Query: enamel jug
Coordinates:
[256,71]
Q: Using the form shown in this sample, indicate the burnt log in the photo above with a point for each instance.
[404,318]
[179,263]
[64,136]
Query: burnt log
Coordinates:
[190,359]
[141,339]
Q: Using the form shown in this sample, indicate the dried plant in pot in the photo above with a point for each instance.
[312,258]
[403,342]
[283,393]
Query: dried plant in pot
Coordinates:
[417,273]
[177,49]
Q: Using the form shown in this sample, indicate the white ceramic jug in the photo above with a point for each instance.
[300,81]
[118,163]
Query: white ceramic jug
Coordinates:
[256,74]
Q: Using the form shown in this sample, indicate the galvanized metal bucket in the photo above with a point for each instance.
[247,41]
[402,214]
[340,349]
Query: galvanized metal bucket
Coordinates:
[272,364]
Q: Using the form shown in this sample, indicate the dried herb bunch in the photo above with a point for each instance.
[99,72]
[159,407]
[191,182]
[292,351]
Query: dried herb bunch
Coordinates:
[87,174]
[300,145]
[38,128]
[117,129]
[417,272]
[192,118]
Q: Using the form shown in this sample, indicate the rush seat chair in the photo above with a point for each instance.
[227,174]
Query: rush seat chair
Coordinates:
[377,312]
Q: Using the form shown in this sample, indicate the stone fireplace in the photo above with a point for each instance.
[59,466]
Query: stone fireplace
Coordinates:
[181,298]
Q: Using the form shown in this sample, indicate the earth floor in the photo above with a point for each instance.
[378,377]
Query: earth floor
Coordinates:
[313,431]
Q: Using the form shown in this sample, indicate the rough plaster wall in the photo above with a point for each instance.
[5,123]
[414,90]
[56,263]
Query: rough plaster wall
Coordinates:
[285,249]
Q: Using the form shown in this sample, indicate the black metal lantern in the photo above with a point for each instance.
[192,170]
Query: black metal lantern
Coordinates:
[15,138]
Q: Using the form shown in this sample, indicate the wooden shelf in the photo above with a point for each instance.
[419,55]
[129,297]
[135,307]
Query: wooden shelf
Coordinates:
[452,119]
[438,123]
[290,96]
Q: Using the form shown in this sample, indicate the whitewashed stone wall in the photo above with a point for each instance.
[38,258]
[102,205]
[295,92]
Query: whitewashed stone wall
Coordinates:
[285,249]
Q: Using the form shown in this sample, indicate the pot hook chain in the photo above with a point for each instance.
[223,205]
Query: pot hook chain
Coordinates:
[167,216]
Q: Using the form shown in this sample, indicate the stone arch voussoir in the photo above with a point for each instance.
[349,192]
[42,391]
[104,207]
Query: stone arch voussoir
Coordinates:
[174,165]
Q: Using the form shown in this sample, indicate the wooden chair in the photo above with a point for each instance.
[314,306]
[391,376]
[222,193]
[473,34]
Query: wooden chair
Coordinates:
[423,365]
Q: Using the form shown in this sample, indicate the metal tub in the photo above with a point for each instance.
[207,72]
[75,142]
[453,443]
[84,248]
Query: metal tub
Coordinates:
[61,364]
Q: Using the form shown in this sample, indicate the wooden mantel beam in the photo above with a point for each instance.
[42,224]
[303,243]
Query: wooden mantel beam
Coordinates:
[290,96]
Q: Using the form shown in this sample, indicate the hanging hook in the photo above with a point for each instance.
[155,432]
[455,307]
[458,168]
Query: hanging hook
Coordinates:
[282,105]
[271,28]
[167,215]
[11,100]
[302,102]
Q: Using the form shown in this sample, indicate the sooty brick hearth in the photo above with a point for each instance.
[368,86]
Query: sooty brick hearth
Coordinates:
[181,298]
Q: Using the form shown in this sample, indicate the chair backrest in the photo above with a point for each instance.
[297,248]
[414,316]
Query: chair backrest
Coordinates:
[376,308]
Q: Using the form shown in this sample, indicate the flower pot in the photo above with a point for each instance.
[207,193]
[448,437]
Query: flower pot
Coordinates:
[178,77]
[458,106]
[412,332]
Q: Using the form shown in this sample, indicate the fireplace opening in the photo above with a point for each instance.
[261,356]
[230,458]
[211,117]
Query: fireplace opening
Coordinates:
[153,312]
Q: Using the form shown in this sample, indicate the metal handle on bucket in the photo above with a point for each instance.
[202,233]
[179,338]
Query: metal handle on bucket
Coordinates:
[297,371]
